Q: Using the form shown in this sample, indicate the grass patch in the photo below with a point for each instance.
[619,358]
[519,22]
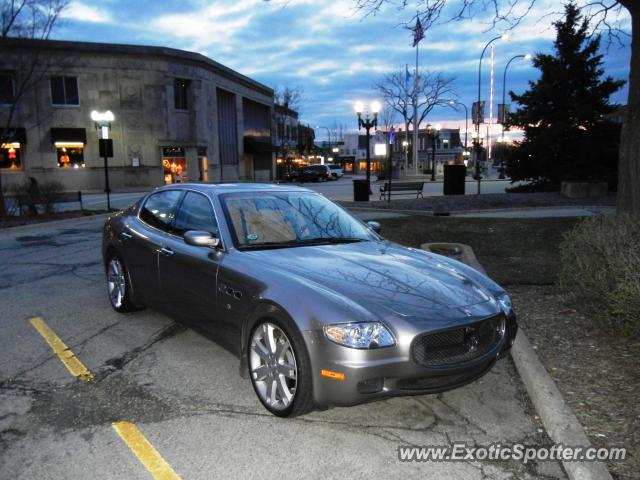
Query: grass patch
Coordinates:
[512,250]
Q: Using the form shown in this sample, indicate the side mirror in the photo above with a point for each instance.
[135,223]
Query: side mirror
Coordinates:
[375,226]
[199,238]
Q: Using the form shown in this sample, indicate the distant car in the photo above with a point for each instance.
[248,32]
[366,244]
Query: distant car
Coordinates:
[321,310]
[336,171]
[311,173]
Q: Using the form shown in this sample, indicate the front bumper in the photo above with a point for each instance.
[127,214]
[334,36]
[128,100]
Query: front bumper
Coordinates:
[386,372]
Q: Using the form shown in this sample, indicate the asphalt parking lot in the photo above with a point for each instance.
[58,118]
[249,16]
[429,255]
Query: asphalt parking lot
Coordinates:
[183,392]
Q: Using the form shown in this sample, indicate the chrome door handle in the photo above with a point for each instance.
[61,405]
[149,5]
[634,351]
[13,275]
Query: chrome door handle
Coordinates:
[125,235]
[167,252]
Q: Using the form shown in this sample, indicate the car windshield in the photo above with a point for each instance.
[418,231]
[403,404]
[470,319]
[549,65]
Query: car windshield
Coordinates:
[289,219]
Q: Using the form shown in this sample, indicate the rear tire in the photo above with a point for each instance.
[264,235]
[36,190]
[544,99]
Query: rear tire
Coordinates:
[118,286]
[280,368]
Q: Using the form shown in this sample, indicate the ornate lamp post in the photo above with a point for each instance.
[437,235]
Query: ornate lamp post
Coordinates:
[433,133]
[368,123]
[102,121]
[476,140]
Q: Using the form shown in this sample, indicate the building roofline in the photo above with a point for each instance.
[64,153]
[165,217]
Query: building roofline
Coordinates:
[139,50]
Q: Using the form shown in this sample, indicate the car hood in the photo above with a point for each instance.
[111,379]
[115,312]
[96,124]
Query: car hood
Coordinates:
[387,279]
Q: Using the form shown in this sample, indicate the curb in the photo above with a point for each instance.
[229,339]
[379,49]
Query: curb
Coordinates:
[52,223]
[557,417]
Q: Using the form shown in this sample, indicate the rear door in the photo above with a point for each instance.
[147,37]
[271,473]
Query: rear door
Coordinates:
[188,273]
[143,236]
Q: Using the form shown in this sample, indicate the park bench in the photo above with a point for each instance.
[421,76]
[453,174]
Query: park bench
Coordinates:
[401,189]
[49,200]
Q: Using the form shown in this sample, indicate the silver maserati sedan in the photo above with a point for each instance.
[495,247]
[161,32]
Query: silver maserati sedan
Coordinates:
[320,309]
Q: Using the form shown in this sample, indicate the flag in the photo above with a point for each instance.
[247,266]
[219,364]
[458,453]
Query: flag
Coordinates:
[407,76]
[418,32]
[392,139]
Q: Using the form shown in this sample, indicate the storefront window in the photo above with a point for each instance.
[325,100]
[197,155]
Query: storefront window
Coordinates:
[70,155]
[174,164]
[10,156]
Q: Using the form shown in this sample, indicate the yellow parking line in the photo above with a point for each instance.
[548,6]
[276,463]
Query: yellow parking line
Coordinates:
[148,456]
[66,356]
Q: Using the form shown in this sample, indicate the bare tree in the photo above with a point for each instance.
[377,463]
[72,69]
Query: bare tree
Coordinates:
[604,16]
[431,90]
[30,19]
[290,97]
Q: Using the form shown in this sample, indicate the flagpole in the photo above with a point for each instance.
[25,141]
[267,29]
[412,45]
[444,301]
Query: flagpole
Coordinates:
[406,122]
[414,150]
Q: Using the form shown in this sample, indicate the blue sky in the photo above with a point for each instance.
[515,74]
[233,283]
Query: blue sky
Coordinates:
[326,47]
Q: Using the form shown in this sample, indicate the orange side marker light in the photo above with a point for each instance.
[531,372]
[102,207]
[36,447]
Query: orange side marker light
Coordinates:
[334,375]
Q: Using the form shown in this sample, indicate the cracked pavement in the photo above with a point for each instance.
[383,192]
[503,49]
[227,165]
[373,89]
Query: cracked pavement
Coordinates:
[184,393]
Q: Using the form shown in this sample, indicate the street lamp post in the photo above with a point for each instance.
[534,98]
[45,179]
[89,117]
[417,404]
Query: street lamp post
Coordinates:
[102,121]
[433,133]
[477,120]
[466,120]
[368,123]
[504,111]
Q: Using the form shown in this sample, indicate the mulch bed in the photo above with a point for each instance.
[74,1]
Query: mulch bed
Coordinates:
[488,201]
[596,369]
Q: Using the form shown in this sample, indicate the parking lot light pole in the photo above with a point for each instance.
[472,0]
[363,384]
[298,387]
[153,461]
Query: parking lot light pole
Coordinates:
[504,111]
[102,121]
[367,123]
[477,120]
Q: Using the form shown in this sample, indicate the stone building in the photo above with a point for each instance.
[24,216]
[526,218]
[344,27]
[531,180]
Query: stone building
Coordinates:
[179,116]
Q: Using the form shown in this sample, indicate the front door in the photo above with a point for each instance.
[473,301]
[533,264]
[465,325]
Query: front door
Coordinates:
[188,274]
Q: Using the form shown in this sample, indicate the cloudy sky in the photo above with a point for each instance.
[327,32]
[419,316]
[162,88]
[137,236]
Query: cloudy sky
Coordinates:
[326,47]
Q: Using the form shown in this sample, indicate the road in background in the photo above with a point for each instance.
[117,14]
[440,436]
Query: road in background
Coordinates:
[341,189]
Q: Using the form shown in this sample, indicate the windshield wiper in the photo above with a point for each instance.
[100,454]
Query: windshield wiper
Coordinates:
[302,242]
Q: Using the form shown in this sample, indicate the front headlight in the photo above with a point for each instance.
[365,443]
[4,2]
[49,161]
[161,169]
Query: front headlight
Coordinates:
[360,335]
[505,303]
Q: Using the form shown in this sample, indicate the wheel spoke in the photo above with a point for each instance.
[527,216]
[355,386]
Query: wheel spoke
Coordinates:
[283,390]
[270,340]
[260,373]
[286,370]
[260,350]
[271,391]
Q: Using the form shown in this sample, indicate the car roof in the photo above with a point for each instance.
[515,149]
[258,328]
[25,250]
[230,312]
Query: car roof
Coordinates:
[233,187]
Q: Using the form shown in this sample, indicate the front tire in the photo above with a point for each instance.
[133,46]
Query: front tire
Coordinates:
[280,368]
[118,286]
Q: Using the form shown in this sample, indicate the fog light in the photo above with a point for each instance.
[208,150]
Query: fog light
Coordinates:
[372,385]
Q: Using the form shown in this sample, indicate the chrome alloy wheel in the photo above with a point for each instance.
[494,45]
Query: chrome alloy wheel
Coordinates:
[272,363]
[116,283]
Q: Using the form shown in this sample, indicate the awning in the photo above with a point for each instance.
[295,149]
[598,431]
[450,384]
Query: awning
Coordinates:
[12,135]
[61,135]
[258,145]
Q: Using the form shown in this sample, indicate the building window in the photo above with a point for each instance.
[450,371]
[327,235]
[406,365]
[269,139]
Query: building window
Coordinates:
[70,155]
[7,89]
[181,93]
[64,91]
[10,156]
[174,164]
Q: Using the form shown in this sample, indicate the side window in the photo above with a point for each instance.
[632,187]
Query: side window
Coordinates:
[195,214]
[159,209]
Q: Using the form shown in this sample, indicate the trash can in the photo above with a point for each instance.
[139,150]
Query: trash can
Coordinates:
[454,178]
[360,191]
